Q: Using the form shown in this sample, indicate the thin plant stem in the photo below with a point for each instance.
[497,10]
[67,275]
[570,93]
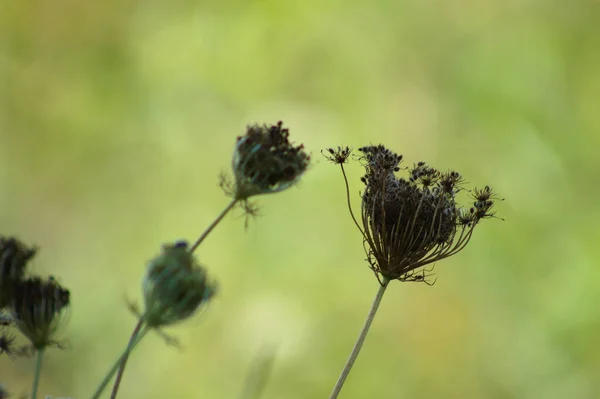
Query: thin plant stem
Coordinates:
[134,335]
[361,339]
[348,199]
[38,372]
[130,346]
[213,224]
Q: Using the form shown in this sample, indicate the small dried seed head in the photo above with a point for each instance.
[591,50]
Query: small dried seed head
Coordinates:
[424,174]
[338,155]
[483,202]
[40,308]
[264,161]
[411,223]
[379,160]
[14,257]
[174,286]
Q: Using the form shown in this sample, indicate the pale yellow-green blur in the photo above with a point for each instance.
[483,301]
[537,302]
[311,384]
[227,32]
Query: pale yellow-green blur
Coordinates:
[116,118]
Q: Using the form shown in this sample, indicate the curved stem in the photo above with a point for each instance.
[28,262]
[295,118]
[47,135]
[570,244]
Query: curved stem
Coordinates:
[38,371]
[115,367]
[134,335]
[348,198]
[213,224]
[359,342]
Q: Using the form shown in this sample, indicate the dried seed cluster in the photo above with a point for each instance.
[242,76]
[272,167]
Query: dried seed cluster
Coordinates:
[40,307]
[265,161]
[337,155]
[409,223]
[36,307]
[14,257]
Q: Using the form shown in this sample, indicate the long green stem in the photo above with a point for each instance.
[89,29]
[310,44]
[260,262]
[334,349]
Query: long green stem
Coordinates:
[213,224]
[38,372]
[115,367]
[134,335]
[359,342]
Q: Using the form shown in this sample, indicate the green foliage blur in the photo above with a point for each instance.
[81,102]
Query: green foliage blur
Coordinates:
[116,118]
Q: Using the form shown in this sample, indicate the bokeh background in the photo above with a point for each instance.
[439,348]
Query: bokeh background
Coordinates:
[116,118]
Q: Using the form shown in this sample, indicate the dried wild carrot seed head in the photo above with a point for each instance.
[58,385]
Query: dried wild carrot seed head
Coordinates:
[265,161]
[39,309]
[409,223]
[14,256]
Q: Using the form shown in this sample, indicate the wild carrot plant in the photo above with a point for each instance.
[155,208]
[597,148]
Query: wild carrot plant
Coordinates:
[175,285]
[407,223]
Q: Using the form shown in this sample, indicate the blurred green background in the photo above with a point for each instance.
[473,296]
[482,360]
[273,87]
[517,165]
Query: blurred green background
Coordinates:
[116,118]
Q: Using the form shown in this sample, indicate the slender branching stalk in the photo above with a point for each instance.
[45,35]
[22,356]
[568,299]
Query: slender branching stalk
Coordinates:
[348,199]
[38,372]
[139,327]
[359,342]
[134,335]
[132,344]
[175,286]
[213,225]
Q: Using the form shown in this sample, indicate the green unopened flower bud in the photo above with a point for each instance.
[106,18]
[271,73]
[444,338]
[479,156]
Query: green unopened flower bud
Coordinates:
[174,286]
[264,161]
[14,256]
[39,309]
